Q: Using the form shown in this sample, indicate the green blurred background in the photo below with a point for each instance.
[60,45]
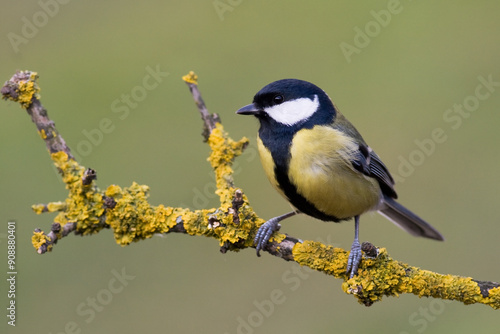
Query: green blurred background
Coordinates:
[396,87]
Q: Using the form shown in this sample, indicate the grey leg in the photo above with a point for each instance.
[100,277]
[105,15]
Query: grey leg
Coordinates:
[268,228]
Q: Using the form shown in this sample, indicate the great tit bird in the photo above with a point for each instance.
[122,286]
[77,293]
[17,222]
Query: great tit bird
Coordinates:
[318,161]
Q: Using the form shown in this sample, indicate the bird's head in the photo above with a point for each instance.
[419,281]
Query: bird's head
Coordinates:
[291,103]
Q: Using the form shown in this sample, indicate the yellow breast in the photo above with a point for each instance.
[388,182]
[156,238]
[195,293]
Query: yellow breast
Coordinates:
[321,171]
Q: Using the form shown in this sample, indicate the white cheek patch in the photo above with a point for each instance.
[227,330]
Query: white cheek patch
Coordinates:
[292,112]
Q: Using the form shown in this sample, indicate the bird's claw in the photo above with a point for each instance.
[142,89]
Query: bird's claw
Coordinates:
[264,233]
[354,259]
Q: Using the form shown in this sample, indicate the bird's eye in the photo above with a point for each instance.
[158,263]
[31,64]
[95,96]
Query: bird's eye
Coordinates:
[278,99]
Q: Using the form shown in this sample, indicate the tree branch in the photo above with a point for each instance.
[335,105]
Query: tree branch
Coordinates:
[88,209]
[209,120]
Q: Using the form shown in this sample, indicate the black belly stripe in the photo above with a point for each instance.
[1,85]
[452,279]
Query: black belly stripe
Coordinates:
[297,200]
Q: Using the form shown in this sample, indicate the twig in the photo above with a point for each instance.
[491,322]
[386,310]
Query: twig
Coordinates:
[54,235]
[209,120]
[23,88]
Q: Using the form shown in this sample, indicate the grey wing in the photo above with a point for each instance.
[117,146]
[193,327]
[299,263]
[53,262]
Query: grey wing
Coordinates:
[368,162]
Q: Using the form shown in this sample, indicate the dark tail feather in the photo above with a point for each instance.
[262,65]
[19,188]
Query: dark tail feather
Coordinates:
[407,220]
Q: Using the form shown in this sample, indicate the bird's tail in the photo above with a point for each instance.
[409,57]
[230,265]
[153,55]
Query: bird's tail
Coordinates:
[407,220]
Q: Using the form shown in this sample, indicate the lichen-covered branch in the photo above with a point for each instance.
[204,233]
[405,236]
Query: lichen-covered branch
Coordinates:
[126,210]
[380,275]
[209,120]
[24,89]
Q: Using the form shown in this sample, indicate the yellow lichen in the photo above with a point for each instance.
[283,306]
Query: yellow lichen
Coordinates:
[38,208]
[59,157]
[317,256]
[38,239]
[83,206]
[494,298]
[193,223]
[51,207]
[224,151]
[56,206]
[132,218]
[113,190]
[25,88]
[191,77]
[161,219]
[278,237]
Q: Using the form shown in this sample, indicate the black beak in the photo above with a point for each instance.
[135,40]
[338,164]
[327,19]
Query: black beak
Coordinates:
[250,109]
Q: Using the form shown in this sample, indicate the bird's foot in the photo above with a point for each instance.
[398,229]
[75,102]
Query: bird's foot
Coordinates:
[354,259]
[264,233]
